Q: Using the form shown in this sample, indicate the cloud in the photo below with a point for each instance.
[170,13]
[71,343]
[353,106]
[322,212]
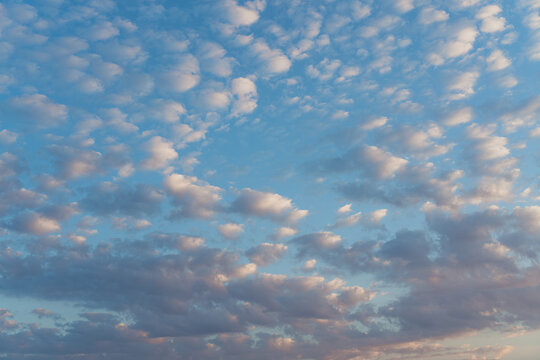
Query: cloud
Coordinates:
[265,204]
[109,198]
[430,15]
[374,123]
[8,137]
[245,96]
[266,253]
[284,231]
[458,43]
[462,86]
[242,15]
[72,163]
[161,153]
[231,230]
[490,22]
[102,31]
[213,59]
[497,61]
[167,110]
[274,61]
[183,77]
[524,114]
[458,117]
[196,198]
[38,110]
[34,224]
[404,6]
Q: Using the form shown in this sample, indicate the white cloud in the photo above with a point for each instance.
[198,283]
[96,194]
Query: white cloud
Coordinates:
[39,109]
[161,153]
[486,145]
[216,99]
[344,209]
[285,231]
[274,60]
[167,110]
[245,96]
[430,15]
[497,61]
[525,114]
[196,197]
[8,137]
[376,216]
[102,31]
[241,15]
[183,76]
[213,59]
[404,6]
[384,165]
[309,264]
[36,224]
[360,10]
[508,82]
[490,22]
[459,42]
[231,230]
[266,253]
[374,123]
[266,204]
[462,86]
[533,21]
[460,116]
[118,120]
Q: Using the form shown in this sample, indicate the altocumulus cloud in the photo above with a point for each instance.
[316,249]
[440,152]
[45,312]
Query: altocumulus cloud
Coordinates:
[251,179]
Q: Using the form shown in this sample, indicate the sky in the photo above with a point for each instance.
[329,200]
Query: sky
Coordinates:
[269,179]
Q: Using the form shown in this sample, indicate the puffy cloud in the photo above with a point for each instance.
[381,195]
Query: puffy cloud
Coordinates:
[39,110]
[8,137]
[231,230]
[73,163]
[429,15]
[460,41]
[458,117]
[213,60]
[497,61]
[35,224]
[161,153]
[274,60]
[242,15]
[384,165]
[167,110]
[371,160]
[266,253]
[490,22]
[374,123]
[416,141]
[216,99]
[524,114]
[462,86]
[344,209]
[195,197]
[102,31]
[404,6]
[285,231]
[266,204]
[245,96]
[319,240]
[486,146]
[183,77]
[109,198]
[117,119]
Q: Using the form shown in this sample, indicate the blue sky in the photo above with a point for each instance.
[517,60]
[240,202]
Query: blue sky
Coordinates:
[326,179]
